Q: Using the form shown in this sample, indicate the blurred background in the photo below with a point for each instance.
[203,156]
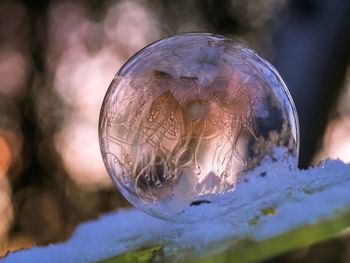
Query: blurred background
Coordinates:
[57,59]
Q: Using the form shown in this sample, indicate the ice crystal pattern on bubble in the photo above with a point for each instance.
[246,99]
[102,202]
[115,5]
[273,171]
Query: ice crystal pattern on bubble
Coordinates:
[186,117]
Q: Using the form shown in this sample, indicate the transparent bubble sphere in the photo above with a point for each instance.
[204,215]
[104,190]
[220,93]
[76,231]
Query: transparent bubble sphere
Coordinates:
[187,116]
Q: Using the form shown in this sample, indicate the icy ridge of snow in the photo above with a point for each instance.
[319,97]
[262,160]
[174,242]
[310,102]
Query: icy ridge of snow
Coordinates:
[274,198]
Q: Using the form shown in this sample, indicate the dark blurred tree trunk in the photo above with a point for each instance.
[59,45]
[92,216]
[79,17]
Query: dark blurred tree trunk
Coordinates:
[313,51]
[32,134]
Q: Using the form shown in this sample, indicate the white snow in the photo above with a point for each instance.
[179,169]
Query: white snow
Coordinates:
[291,197]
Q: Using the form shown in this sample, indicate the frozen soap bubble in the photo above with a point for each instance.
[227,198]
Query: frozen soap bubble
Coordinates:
[187,116]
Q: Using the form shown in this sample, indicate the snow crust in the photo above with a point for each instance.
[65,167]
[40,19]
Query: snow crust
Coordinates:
[274,198]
